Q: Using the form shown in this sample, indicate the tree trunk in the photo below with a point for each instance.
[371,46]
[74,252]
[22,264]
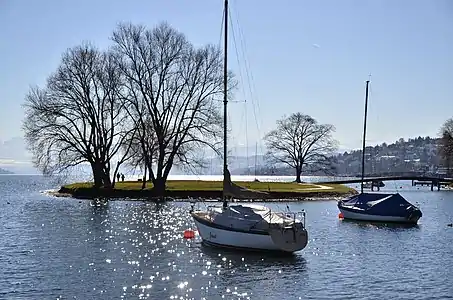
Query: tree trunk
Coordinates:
[298,173]
[114,174]
[144,178]
[149,166]
[105,170]
[97,175]
[150,173]
[159,187]
[106,180]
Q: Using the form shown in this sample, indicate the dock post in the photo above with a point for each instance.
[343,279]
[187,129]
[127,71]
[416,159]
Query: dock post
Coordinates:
[438,185]
[412,182]
[432,185]
[372,186]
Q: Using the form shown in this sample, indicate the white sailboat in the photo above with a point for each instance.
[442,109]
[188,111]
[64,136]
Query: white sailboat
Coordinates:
[247,226]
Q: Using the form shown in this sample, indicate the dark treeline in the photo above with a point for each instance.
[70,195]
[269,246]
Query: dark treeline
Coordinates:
[446,146]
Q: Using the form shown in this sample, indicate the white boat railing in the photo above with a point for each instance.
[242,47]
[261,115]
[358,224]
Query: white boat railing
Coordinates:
[287,218]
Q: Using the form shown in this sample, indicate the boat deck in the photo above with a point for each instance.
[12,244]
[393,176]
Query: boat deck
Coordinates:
[267,218]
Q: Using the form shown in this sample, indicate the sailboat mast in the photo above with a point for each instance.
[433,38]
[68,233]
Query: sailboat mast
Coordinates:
[225,88]
[364,135]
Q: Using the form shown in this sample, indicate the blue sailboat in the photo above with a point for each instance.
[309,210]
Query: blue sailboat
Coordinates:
[377,207]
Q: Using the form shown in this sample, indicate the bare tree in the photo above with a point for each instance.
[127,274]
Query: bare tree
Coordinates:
[446,145]
[79,116]
[171,84]
[143,146]
[299,141]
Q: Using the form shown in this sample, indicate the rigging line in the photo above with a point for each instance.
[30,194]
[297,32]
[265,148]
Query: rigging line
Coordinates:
[220,45]
[247,65]
[370,104]
[246,139]
[255,102]
[230,137]
[243,116]
[249,74]
[371,94]
[242,119]
[242,81]
[221,29]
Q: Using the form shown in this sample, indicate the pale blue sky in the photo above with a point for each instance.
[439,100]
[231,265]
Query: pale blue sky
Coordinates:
[307,56]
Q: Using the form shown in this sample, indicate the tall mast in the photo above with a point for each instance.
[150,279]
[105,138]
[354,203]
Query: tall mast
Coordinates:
[225,87]
[364,135]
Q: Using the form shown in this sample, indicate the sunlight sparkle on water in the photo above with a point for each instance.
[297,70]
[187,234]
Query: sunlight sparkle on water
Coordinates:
[137,251]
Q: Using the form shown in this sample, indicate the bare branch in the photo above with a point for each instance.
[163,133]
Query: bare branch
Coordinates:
[78,116]
[170,88]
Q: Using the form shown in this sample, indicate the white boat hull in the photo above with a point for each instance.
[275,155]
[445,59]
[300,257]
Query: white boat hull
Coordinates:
[376,218]
[235,239]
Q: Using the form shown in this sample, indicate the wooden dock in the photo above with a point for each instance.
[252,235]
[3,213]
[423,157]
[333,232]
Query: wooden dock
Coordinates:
[416,180]
[438,183]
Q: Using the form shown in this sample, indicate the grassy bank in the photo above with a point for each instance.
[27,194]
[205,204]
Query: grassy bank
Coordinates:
[183,189]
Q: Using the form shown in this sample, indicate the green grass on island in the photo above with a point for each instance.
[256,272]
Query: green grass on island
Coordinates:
[209,189]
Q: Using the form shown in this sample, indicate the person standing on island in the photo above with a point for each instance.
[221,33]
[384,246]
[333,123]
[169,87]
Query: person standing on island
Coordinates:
[122,177]
[118,177]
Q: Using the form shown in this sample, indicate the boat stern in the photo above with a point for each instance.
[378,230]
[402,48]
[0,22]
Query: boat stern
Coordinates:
[289,239]
[414,214]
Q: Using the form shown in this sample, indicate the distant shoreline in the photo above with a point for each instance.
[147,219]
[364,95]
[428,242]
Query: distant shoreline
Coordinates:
[184,190]
[6,172]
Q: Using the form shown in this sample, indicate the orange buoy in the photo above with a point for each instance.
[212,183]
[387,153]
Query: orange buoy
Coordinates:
[189,234]
[340,216]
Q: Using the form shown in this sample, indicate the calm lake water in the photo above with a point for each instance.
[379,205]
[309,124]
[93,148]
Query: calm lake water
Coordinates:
[59,248]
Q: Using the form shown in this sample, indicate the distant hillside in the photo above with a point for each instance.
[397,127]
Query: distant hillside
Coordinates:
[413,155]
[3,171]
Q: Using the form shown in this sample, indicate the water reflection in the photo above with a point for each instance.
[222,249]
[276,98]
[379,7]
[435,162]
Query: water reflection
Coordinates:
[254,259]
[248,274]
[66,248]
[379,225]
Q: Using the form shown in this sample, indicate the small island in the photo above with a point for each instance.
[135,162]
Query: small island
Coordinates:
[186,189]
